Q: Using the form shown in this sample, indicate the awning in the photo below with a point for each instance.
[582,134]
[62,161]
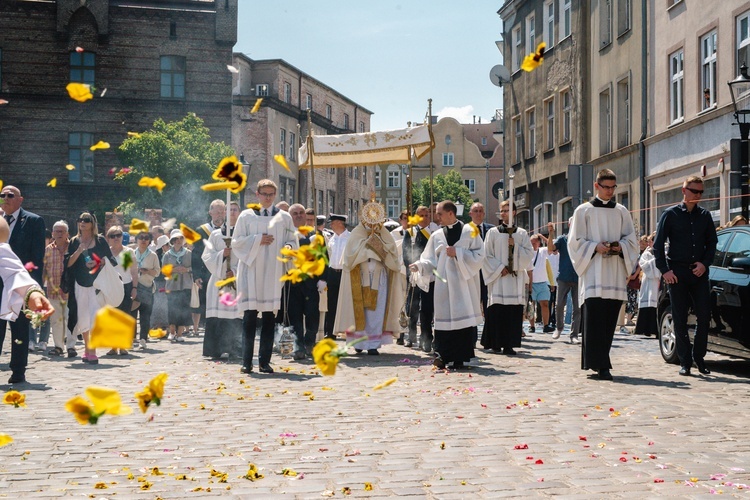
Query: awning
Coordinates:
[367,148]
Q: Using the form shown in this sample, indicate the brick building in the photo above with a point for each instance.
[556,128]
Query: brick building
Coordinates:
[147,59]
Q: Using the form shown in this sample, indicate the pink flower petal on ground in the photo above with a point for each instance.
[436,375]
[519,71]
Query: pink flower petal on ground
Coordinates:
[522,446]
[658,480]
[717,477]
[737,469]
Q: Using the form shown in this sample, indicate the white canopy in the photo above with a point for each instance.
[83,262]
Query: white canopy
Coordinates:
[367,148]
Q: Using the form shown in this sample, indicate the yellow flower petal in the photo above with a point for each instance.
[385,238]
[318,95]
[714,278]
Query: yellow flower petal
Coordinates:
[368,486]
[157,333]
[325,357]
[153,182]
[251,206]
[134,134]
[281,161]
[70,166]
[99,145]
[305,230]
[190,235]
[144,399]
[107,400]
[80,92]
[53,182]
[80,408]
[222,283]
[386,383]
[14,398]
[137,226]
[113,328]
[5,439]
[166,270]
[256,107]
[156,385]
[415,219]
[314,268]
[230,170]
[218,186]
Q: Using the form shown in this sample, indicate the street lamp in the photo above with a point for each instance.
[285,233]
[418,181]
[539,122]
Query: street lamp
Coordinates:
[459,209]
[247,171]
[740,91]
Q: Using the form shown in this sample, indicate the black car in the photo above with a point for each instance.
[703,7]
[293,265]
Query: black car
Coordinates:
[729,278]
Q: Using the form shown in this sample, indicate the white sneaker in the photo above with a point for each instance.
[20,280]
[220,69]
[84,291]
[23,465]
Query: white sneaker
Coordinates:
[41,346]
[170,336]
[31,345]
[575,340]
[142,343]
[556,335]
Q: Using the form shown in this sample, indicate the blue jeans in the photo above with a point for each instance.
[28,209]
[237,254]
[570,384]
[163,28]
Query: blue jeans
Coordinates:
[690,290]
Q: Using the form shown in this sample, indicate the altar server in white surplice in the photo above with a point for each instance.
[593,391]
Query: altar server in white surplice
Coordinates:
[260,235]
[508,253]
[455,252]
[604,251]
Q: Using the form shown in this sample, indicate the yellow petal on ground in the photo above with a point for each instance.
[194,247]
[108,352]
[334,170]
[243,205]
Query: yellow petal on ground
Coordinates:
[107,400]
[99,145]
[80,92]
[70,166]
[190,235]
[157,333]
[153,182]
[113,329]
[256,107]
[5,439]
[53,182]
[218,186]
[225,282]
[386,383]
[14,398]
[138,226]
[281,161]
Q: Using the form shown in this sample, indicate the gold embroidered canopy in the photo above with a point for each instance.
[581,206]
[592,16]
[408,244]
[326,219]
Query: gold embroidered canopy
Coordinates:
[367,148]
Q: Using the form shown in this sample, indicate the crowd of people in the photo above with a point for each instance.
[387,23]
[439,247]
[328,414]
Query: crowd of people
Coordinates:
[379,283]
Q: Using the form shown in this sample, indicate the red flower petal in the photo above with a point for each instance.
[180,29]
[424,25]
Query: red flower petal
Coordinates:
[539,462]
[623,459]
[522,446]
[657,480]
[582,438]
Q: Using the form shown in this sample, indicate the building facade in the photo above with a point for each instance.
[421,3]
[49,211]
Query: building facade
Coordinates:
[280,127]
[145,59]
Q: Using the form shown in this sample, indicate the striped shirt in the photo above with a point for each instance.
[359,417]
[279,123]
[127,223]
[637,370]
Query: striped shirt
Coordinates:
[53,269]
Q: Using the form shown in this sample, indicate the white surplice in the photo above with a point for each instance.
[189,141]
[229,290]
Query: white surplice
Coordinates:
[213,258]
[16,282]
[648,295]
[259,271]
[509,289]
[457,299]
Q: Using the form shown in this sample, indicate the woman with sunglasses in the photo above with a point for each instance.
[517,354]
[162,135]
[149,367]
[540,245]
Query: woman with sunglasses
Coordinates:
[129,276]
[83,260]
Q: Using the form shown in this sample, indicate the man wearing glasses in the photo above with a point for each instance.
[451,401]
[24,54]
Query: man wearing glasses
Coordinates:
[27,242]
[692,244]
[604,250]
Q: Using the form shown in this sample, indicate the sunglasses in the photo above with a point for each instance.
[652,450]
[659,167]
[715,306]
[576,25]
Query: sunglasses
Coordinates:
[85,219]
[695,191]
[143,238]
[7,195]
[115,235]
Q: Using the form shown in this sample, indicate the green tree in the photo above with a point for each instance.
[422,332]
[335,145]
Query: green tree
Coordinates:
[182,155]
[447,186]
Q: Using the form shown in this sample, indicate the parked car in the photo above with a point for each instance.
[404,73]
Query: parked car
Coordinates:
[729,279]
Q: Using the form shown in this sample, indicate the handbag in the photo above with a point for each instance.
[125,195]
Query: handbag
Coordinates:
[109,285]
[145,294]
[195,299]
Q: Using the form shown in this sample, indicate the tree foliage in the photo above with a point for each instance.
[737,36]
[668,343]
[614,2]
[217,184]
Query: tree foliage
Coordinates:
[181,154]
[449,186]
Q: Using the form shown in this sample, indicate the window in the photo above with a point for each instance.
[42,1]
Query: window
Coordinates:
[282,142]
[565,210]
[623,16]
[361,127]
[282,187]
[287,189]
[671,3]
[549,106]
[377,177]
[566,107]
[292,139]
[364,175]
[484,141]
[566,20]
[346,121]
[356,172]
[605,22]
[172,29]
[605,123]
[331,202]
[531,32]
[356,211]
[287,92]
[350,210]
[542,215]
[623,113]
[319,204]
[81,156]
[394,179]
[676,76]
[261,90]
[708,70]
[531,123]
[743,40]
[471,184]
[624,199]
[549,23]
[329,111]
[173,77]
[518,143]
[82,66]
[447,159]
[517,49]
[394,207]
[308,101]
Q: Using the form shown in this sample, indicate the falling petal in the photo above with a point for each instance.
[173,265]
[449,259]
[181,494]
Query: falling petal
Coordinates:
[415,220]
[439,277]
[134,134]
[3,101]
[79,49]
[256,107]
[113,171]
[5,439]
[190,235]
[103,92]
[253,206]
[219,186]
[52,183]
[126,260]
[166,270]
[533,61]
[305,230]
[112,328]
[107,400]
[99,145]
[30,266]
[232,69]
[70,166]
[138,226]
[223,283]
[153,182]
[474,230]
[281,160]
[231,170]
[80,92]
[228,301]
[97,264]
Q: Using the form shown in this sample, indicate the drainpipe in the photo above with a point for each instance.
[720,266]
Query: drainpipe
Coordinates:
[645,200]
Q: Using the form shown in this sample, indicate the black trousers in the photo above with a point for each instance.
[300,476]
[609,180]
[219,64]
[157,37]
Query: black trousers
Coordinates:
[413,299]
[599,323]
[249,323]
[334,284]
[304,315]
[690,290]
[426,314]
[19,344]
[145,319]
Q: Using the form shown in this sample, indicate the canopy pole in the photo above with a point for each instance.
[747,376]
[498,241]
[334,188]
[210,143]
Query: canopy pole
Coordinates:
[429,127]
[312,166]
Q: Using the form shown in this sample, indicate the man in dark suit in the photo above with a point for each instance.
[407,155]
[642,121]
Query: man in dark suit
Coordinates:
[420,304]
[477,217]
[27,242]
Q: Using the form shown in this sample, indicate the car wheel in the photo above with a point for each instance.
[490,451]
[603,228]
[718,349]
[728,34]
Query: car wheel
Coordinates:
[667,340]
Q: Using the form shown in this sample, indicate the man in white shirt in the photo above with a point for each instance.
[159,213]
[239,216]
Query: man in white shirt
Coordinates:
[336,246]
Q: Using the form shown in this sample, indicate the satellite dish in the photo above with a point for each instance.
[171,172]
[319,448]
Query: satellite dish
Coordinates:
[499,74]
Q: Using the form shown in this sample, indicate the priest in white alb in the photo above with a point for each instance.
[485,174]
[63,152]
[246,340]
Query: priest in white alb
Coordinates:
[455,253]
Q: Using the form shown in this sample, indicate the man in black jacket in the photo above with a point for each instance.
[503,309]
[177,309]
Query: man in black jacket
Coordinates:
[27,242]
[419,303]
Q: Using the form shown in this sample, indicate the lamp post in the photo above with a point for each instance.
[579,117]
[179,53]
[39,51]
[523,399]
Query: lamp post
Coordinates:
[511,195]
[739,89]
[242,193]
[459,209]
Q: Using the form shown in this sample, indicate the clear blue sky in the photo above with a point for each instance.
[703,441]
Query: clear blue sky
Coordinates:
[388,56]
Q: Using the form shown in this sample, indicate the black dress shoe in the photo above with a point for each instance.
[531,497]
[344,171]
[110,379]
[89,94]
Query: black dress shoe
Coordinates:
[409,344]
[373,352]
[400,342]
[17,379]
[358,351]
[439,363]
[265,369]
[458,365]
[509,351]
[247,370]
[685,371]
[605,375]
[702,367]
[532,329]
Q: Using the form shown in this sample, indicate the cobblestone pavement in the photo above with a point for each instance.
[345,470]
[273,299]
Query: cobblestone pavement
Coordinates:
[530,425]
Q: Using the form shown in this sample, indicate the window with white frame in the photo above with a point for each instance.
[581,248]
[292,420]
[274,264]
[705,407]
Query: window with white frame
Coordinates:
[549,106]
[331,201]
[308,101]
[566,103]
[287,92]
[361,127]
[329,111]
[531,32]
[484,141]
[447,159]
[531,137]
[518,142]
[623,113]
[517,54]
[261,90]
[471,184]
[605,122]
[394,207]
[605,22]
[676,80]
[346,121]
[548,31]
[282,142]
[292,151]
[708,70]
[623,16]
[394,179]
[542,215]
[377,177]
[565,18]
[743,40]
